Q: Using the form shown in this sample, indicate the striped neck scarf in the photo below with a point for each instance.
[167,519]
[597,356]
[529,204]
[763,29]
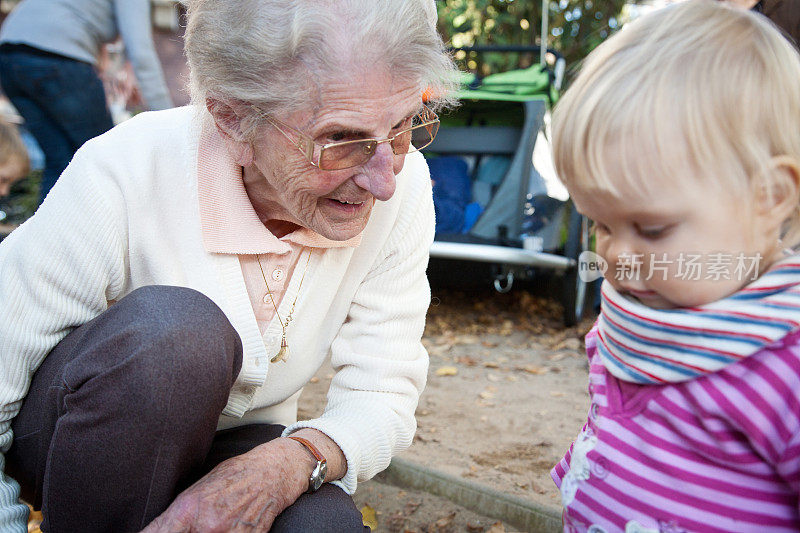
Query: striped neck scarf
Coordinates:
[652,346]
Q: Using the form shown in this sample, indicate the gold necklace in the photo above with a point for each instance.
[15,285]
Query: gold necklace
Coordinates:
[282,353]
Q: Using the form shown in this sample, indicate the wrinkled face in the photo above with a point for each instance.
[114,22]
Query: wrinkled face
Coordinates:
[335,204]
[10,172]
[677,245]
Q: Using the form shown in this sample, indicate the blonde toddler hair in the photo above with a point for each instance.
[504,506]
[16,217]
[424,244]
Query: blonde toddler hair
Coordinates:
[699,85]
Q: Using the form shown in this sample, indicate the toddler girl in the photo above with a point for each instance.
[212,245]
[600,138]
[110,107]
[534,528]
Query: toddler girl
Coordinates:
[680,139]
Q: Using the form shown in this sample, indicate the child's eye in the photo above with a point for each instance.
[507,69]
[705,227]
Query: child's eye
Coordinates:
[597,228]
[653,232]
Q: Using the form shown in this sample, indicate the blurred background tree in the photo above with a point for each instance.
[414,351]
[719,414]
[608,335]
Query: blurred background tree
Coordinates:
[576,27]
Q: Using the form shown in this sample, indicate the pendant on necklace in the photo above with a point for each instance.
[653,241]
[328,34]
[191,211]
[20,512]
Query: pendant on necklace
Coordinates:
[281,355]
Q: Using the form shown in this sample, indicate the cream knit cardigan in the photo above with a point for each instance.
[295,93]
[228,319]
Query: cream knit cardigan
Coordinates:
[125,214]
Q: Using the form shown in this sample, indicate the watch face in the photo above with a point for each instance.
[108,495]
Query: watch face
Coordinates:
[318,476]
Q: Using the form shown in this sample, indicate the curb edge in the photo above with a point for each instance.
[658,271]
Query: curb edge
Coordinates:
[517,512]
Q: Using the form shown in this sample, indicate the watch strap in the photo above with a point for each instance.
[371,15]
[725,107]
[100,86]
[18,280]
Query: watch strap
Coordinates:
[318,475]
[313,449]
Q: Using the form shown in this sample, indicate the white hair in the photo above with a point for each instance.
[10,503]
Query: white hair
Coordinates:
[277,54]
[696,85]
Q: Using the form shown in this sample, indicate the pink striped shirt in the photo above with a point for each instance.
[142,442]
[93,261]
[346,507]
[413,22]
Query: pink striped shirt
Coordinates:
[717,453]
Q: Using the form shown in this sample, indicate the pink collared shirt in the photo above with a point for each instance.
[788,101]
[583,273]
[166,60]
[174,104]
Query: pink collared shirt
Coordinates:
[230,225]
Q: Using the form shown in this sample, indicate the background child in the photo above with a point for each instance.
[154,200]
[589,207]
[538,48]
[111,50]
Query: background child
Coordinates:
[681,140]
[14,162]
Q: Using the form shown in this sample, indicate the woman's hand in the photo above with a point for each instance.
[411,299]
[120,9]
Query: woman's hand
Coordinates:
[244,493]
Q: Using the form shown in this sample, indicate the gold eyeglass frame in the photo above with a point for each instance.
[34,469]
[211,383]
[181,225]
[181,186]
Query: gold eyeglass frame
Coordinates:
[308,146]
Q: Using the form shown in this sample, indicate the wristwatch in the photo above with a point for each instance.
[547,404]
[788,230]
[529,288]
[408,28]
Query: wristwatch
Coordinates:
[318,474]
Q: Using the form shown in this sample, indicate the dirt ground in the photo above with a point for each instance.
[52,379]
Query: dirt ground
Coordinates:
[506,394]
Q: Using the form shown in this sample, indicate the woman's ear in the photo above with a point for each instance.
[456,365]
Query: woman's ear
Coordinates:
[778,196]
[228,123]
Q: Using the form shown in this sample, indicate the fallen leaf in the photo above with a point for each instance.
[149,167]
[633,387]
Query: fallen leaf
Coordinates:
[447,371]
[369,517]
[315,379]
[466,360]
[329,376]
[395,521]
[439,350]
[557,394]
[491,364]
[474,528]
[410,507]
[489,344]
[534,369]
[486,395]
[497,527]
[445,521]
[512,378]
[494,378]
[568,344]
[34,521]
[467,339]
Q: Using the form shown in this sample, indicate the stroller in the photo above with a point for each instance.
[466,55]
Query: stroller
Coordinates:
[496,194]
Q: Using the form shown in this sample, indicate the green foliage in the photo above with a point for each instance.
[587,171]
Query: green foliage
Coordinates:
[23,200]
[575,28]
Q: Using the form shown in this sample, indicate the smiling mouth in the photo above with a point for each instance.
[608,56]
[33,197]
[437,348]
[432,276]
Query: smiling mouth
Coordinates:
[347,207]
[346,202]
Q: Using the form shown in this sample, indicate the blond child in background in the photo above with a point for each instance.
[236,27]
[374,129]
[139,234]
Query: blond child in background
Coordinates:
[680,139]
[14,163]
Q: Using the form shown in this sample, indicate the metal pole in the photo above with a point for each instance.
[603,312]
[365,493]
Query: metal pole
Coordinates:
[545,31]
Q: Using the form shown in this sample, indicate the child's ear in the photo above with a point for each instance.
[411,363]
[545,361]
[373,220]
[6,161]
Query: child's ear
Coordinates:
[228,122]
[779,195]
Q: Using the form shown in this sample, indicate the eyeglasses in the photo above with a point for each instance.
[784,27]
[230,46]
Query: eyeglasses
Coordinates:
[347,154]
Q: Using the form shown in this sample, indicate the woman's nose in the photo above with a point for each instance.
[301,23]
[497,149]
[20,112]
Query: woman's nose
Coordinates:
[378,176]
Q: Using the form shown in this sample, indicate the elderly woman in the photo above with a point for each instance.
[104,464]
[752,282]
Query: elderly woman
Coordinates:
[192,268]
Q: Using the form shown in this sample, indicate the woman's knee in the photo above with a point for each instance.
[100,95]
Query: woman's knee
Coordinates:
[154,342]
[186,324]
[329,510]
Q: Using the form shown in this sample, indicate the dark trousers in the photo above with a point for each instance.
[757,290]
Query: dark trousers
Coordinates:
[62,101]
[121,416]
